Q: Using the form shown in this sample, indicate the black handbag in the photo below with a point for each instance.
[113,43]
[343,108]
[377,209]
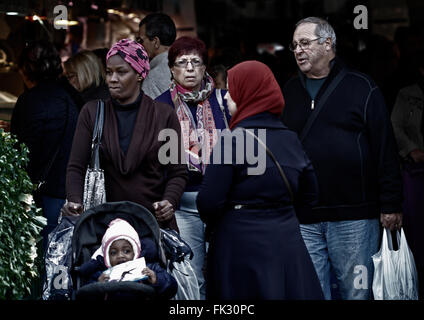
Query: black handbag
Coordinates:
[174,246]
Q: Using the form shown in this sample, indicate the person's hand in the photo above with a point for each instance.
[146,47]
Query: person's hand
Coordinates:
[163,210]
[417,155]
[392,221]
[71,209]
[104,277]
[150,274]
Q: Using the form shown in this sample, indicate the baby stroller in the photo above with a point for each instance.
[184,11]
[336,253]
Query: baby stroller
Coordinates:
[86,239]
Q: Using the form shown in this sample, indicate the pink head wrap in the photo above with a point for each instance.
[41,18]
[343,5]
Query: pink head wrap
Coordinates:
[133,53]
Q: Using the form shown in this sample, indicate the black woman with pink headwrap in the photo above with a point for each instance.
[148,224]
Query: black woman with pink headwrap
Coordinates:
[130,144]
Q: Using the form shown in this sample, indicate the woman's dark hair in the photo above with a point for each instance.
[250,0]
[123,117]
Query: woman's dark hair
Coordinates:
[39,61]
[187,45]
[160,25]
[218,69]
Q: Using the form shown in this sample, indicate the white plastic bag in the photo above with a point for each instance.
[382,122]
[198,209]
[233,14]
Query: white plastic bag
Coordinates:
[58,262]
[407,271]
[395,275]
[188,287]
[385,285]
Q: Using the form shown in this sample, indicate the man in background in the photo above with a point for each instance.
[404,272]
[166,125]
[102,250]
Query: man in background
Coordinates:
[156,33]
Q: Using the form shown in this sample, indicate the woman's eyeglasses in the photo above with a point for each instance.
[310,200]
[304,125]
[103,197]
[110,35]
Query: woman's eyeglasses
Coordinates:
[183,63]
[303,44]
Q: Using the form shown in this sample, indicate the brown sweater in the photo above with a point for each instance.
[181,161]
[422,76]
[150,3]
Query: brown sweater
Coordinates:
[137,176]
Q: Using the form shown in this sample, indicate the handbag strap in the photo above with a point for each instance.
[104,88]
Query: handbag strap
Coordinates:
[280,169]
[97,135]
[221,106]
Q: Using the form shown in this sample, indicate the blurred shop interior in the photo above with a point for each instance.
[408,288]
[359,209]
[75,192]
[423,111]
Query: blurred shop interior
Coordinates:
[234,30]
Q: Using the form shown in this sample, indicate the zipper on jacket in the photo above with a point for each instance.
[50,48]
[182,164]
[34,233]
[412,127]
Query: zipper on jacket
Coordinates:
[312,104]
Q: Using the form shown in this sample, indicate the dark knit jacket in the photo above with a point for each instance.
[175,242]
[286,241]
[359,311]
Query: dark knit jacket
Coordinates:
[44,118]
[138,175]
[350,143]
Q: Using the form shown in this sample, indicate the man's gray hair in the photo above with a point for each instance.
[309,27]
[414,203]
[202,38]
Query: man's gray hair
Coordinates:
[323,29]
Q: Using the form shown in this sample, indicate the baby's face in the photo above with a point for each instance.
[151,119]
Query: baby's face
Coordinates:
[120,251]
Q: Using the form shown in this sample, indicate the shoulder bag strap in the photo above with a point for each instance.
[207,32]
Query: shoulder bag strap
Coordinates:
[321,103]
[280,169]
[97,135]
[221,106]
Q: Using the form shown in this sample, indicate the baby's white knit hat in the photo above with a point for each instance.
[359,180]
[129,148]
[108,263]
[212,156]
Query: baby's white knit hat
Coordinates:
[120,229]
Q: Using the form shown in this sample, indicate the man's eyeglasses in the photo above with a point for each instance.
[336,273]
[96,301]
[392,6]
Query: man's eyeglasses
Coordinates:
[303,44]
[183,63]
[141,41]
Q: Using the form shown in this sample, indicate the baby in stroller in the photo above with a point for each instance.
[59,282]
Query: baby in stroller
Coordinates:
[120,244]
[96,247]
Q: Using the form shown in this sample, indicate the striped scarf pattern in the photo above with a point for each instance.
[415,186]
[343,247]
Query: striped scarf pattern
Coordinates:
[198,139]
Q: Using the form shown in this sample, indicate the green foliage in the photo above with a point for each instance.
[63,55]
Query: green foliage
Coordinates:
[20,222]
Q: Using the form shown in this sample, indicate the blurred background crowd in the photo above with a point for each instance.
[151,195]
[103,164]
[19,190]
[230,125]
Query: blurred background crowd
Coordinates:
[389,49]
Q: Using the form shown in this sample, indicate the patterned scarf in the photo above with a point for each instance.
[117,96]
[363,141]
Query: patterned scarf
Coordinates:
[198,140]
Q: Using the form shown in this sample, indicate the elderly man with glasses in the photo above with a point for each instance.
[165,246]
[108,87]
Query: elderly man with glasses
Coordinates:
[342,121]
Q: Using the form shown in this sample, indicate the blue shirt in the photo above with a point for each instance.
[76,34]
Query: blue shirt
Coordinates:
[313,86]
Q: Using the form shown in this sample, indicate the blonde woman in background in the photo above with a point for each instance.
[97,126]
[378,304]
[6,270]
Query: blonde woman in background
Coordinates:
[86,74]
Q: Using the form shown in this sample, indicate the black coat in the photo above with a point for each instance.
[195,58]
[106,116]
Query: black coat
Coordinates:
[350,143]
[258,252]
[44,118]
[95,93]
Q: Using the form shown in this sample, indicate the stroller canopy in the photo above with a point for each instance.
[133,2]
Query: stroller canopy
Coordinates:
[93,223]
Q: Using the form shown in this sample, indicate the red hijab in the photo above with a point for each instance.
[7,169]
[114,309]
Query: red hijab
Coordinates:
[253,88]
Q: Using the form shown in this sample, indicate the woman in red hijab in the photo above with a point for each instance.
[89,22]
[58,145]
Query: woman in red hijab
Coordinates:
[256,249]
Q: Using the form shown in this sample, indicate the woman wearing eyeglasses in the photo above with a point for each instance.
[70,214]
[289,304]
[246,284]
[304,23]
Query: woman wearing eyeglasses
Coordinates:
[201,110]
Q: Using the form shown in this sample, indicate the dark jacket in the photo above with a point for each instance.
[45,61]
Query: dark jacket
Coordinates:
[166,286]
[231,184]
[350,143]
[138,175]
[95,93]
[45,118]
[195,178]
[256,250]
[408,119]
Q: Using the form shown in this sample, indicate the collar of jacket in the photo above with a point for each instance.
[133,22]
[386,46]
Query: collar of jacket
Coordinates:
[336,65]
[129,106]
[160,58]
[262,120]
